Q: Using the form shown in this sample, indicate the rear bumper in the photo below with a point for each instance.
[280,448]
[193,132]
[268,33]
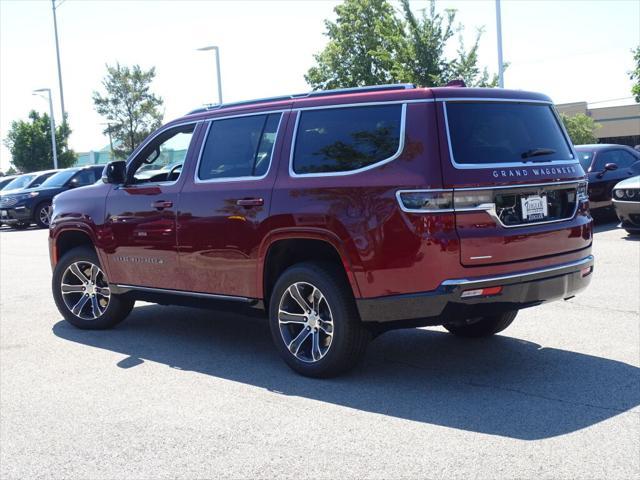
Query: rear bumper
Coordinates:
[629,214]
[445,304]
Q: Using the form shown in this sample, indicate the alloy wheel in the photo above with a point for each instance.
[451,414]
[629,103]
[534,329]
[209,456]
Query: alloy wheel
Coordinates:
[45,214]
[85,290]
[306,322]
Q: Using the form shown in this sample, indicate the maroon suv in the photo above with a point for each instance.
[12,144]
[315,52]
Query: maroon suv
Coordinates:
[341,213]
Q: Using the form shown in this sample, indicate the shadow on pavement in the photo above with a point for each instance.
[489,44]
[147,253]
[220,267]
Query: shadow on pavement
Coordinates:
[499,386]
[600,227]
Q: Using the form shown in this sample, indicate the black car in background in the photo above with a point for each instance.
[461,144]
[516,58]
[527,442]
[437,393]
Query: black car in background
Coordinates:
[21,208]
[606,165]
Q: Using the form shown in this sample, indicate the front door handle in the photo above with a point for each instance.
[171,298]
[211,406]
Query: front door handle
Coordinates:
[250,202]
[162,204]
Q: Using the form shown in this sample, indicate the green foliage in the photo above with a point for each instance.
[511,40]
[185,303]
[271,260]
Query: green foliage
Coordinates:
[30,144]
[371,44]
[129,106]
[364,43]
[635,75]
[581,128]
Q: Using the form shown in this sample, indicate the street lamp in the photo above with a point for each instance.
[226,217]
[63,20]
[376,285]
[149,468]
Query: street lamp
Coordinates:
[52,125]
[499,31]
[206,49]
[55,30]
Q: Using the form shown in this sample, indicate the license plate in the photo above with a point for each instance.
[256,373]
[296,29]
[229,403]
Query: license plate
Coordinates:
[534,207]
[4,214]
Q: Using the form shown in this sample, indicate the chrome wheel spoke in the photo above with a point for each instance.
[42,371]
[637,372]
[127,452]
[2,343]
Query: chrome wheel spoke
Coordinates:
[78,273]
[104,291]
[94,273]
[67,289]
[95,307]
[316,353]
[77,308]
[288,317]
[316,298]
[296,343]
[294,291]
[326,327]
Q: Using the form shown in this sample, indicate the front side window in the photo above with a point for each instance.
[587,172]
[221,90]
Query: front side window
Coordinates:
[621,158]
[505,132]
[239,147]
[345,139]
[162,159]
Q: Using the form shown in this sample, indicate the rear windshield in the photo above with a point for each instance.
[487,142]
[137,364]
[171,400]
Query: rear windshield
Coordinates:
[488,133]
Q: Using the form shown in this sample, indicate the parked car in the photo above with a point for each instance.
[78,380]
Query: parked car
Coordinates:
[19,209]
[606,165]
[4,181]
[341,214]
[27,180]
[626,201]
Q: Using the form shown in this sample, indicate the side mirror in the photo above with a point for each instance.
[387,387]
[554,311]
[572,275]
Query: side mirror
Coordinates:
[115,172]
[611,166]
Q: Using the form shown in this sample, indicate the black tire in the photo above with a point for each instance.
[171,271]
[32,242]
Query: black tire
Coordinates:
[117,306]
[483,327]
[349,337]
[39,213]
[633,232]
[19,225]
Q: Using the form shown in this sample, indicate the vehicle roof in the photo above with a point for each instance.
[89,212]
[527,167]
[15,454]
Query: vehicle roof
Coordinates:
[384,93]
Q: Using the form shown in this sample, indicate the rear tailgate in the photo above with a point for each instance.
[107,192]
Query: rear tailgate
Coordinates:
[518,192]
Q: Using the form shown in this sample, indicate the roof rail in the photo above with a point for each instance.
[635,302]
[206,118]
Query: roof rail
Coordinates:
[312,94]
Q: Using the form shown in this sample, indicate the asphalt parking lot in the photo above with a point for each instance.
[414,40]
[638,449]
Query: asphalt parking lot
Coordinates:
[184,393]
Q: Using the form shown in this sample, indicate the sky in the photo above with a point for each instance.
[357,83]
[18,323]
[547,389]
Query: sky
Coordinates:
[571,50]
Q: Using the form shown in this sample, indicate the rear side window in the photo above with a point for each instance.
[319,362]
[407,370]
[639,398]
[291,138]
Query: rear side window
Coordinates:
[239,147]
[505,132]
[344,139]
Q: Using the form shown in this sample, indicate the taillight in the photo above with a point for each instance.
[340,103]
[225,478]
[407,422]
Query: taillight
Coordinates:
[425,201]
[473,200]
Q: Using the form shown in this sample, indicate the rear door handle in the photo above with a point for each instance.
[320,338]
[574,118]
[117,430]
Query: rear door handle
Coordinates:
[250,202]
[162,204]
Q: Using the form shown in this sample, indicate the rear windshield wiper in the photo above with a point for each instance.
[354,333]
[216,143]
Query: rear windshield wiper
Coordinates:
[536,152]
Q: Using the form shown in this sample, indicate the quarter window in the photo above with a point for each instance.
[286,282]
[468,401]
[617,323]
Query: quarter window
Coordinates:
[239,147]
[344,139]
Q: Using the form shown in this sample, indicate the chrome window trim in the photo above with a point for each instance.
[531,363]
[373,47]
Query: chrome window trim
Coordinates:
[198,180]
[403,118]
[157,133]
[420,210]
[477,166]
[364,104]
[498,278]
[186,293]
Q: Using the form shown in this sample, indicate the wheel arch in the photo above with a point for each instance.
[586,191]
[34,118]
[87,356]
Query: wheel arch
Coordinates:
[287,247]
[63,240]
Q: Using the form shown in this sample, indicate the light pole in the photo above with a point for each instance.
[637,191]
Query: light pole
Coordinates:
[52,124]
[55,30]
[206,49]
[499,30]
[110,139]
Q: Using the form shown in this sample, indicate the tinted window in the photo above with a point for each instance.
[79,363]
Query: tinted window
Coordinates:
[239,147]
[484,132]
[58,179]
[619,157]
[41,178]
[343,139]
[585,159]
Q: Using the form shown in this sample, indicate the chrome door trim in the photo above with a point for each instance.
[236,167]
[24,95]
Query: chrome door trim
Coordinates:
[185,293]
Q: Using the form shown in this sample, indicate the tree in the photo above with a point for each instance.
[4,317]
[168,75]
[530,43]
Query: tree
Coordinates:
[364,43]
[581,128]
[30,144]
[130,108]
[370,44]
[425,63]
[635,75]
